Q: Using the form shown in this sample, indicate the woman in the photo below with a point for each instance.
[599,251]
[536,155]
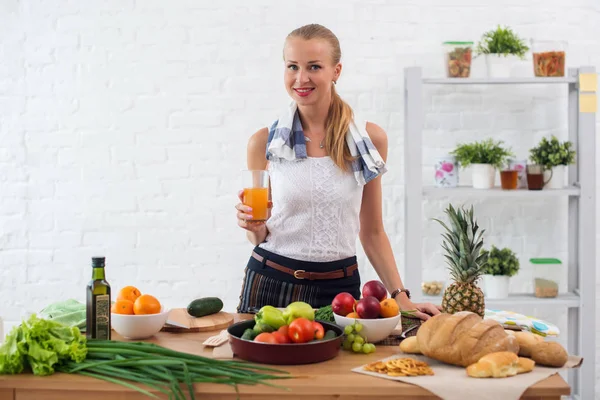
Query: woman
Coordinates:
[325,172]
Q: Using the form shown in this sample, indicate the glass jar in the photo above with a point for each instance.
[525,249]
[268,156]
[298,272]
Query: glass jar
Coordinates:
[549,57]
[548,271]
[433,288]
[458,57]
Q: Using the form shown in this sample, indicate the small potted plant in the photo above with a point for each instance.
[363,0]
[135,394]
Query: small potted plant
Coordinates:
[501,265]
[553,156]
[501,48]
[484,157]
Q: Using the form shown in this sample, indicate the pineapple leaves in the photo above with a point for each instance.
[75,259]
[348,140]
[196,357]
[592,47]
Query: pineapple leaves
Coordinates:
[463,243]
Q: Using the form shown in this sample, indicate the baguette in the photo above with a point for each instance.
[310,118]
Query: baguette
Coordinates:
[410,345]
[551,354]
[463,338]
[526,340]
[495,365]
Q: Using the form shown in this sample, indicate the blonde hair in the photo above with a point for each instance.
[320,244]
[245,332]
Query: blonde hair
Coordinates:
[340,113]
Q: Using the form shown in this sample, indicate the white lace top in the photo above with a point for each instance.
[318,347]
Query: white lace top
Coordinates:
[315,214]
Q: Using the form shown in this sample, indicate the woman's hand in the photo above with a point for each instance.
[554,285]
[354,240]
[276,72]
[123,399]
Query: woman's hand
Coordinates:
[423,311]
[244,216]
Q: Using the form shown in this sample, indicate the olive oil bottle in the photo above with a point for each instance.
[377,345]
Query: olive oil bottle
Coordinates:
[98,304]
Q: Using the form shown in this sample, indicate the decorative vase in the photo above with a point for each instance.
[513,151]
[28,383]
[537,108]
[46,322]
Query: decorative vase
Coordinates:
[555,177]
[484,176]
[500,66]
[495,286]
[446,172]
[521,167]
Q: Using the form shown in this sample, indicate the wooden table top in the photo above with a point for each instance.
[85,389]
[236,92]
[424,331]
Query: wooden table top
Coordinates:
[331,379]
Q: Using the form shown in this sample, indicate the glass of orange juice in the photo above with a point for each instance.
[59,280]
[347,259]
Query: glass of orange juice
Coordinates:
[256,194]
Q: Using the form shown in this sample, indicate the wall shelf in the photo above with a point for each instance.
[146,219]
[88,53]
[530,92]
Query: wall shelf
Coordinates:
[580,299]
[569,300]
[498,81]
[432,191]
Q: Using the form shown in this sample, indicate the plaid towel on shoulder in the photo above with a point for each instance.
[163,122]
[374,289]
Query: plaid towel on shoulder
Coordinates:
[286,141]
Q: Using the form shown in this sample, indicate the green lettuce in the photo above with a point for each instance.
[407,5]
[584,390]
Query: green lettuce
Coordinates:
[39,345]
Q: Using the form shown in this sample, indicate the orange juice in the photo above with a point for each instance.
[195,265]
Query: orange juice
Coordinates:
[257,198]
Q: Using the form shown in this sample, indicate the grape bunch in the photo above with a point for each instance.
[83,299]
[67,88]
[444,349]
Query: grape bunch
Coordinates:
[356,342]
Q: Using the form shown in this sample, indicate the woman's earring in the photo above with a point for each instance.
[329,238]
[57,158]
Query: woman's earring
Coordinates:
[334,82]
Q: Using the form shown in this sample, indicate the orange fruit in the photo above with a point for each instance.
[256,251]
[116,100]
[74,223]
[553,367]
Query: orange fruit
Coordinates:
[352,315]
[130,293]
[146,304]
[122,306]
[389,308]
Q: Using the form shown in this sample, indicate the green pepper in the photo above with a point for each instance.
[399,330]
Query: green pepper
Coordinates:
[298,309]
[269,315]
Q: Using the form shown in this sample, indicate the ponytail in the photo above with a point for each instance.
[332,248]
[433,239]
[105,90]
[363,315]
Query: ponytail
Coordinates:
[336,126]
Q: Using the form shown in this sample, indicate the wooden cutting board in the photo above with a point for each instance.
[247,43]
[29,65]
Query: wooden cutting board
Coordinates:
[220,320]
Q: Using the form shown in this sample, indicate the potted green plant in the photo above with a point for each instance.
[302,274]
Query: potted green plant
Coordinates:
[501,48]
[553,156]
[501,265]
[484,157]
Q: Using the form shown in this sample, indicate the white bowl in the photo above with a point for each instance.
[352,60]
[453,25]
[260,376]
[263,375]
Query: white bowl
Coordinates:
[138,326]
[375,330]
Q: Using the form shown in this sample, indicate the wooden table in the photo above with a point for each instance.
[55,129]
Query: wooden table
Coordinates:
[329,380]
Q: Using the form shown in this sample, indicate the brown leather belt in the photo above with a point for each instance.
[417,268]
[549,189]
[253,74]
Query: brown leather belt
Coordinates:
[302,274]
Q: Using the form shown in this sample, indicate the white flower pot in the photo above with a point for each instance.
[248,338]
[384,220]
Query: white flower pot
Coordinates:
[495,286]
[557,180]
[500,66]
[484,176]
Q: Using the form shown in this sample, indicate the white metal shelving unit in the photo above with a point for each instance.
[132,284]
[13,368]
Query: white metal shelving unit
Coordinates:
[579,301]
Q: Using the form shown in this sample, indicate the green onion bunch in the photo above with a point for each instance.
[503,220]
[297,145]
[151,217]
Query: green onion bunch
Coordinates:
[163,369]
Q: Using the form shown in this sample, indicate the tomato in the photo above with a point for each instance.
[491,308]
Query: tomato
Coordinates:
[281,338]
[265,338]
[318,330]
[301,330]
[285,329]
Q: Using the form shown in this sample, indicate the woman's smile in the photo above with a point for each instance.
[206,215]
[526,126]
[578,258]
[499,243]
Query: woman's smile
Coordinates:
[304,91]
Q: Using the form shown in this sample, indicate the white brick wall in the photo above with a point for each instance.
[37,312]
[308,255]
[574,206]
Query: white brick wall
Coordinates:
[123,127]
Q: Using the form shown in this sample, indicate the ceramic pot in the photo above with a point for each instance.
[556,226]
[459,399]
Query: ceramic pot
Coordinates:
[555,177]
[495,286]
[500,66]
[484,176]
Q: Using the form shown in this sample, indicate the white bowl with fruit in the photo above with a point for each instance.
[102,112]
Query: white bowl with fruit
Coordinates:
[137,316]
[370,319]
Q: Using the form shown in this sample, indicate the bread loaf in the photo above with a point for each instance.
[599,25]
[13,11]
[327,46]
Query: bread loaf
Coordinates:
[410,345]
[526,340]
[463,338]
[495,365]
[551,354]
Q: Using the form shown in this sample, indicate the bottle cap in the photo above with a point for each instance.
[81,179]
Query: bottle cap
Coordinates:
[98,262]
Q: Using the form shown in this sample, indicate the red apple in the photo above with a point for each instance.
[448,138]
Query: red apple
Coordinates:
[368,307]
[375,289]
[343,304]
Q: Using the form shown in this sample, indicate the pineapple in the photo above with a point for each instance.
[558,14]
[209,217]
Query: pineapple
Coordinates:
[462,244]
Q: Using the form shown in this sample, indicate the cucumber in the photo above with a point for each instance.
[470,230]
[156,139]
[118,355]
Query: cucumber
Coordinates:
[249,334]
[205,306]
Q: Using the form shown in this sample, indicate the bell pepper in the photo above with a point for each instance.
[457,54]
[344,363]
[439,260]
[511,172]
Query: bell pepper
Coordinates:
[269,315]
[298,309]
